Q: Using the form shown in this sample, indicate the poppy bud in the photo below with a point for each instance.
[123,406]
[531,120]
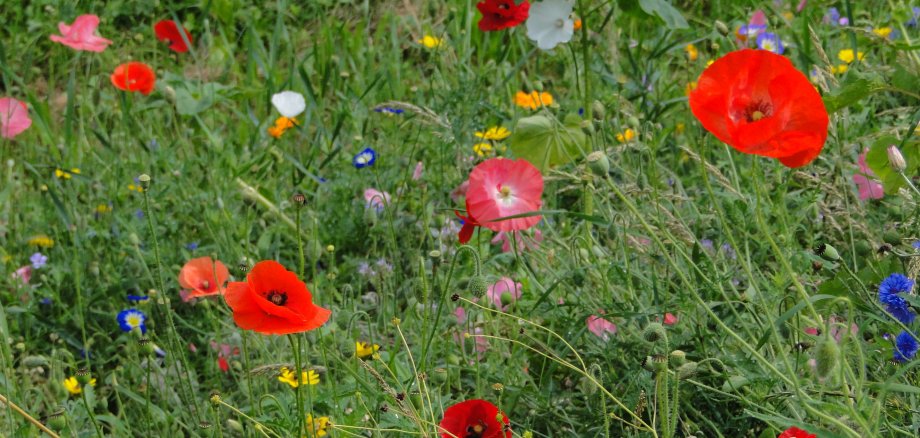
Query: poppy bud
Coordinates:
[34,361]
[722,28]
[170,93]
[478,286]
[827,355]
[538,86]
[234,426]
[654,332]
[587,127]
[891,238]
[83,376]
[133,239]
[863,248]
[144,180]
[633,121]
[57,420]
[896,160]
[828,252]
[598,111]
[687,370]
[299,199]
[598,163]
[678,357]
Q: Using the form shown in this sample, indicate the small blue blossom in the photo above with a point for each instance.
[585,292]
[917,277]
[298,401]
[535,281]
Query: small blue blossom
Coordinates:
[905,347]
[913,21]
[916,245]
[388,110]
[192,246]
[751,31]
[365,158]
[581,111]
[139,214]
[770,42]
[131,319]
[38,260]
[137,298]
[707,244]
[889,294]
[45,301]
[728,251]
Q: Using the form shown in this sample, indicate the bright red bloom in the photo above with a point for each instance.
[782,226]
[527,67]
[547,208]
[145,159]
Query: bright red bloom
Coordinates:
[758,103]
[469,225]
[273,301]
[474,418]
[203,277]
[500,187]
[501,14]
[794,432]
[134,76]
[168,32]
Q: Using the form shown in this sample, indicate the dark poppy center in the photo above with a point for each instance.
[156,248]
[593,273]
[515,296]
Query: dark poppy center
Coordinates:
[277,297]
[758,111]
[475,430]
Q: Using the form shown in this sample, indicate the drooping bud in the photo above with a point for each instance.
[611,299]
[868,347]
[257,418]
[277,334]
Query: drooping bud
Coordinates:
[896,160]
[235,426]
[687,370]
[478,286]
[827,357]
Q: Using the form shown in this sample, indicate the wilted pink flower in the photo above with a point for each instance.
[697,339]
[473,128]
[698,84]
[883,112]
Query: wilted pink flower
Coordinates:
[523,242]
[23,274]
[376,199]
[14,117]
[81,35]
[417,173]
[868,188]
[460,191]
[504,290]
[670,319]
[601,327]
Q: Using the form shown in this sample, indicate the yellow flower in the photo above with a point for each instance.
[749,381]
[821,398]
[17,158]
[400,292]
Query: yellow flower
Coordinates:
[788,15]
[846,55]
[64,174]
[883,32]
[692,52]
[431,42]
[680,127]
[494,133]
[840,69]
[482,149]
[626,136]
[365,350]
[42,241]
[533,100]
[306,377]
[103,208]
[74,387]
[317,427]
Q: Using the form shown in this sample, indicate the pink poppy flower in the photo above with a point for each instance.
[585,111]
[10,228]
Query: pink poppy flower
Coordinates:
[523,243]
[501,187]
[14,117]
[868,188]
[499,290]
[376,199]
[23,274]
[670,319]
[81,35]
[600,327]
[417,173]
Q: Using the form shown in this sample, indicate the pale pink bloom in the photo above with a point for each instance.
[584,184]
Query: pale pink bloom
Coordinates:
[192,347]
[417,173]
[23,274]
[801,6]
[501,187]
[523,243]
[670,319]
[601,327]
[868,188]
[376,199]
[460,191]
[81,35]
[14,117]
[503,286]
[460,313]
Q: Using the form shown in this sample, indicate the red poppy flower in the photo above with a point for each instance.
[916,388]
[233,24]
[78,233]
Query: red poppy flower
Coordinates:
[758,103]
[794,432]
[134,76]
[469,225]
[168,32]
[501,14]
[474,418]
[203,277]
[272,301]
[501,187]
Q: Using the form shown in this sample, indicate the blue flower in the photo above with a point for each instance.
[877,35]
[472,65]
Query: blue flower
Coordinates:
[46,301]
[192,246]
[751,30]
[889,294]
[913,21]
[137,298]
[38,260]
[131,319]
[388,110]
[770,42]
[365,158]
[916,245]
[139,214]
[905,347]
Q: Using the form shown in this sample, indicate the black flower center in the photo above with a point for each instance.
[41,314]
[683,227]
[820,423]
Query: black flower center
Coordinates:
[475,431]
[277,297]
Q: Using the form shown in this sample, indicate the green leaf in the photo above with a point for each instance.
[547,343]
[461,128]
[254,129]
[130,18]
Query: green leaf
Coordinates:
[853,89]
[546,142]
[191,100]
[667,13]
[877,159]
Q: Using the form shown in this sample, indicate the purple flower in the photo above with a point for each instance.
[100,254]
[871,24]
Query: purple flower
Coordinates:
[728,251]
[139,214]
[192,246]
[707,244]
[45,301]
[913,21]
[916,245]
[38,260]
[770,42]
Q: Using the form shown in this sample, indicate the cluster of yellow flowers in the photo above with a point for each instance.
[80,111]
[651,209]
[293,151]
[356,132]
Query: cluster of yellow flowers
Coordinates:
[490,137]
[282,124]
[66,174]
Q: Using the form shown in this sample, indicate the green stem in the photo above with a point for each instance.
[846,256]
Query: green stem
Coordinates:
[298,372]
[92,417]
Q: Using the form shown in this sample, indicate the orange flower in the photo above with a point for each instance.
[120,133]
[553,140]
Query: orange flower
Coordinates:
[577,24]
[134,76]
[273,301]
[533,100]
[203,277]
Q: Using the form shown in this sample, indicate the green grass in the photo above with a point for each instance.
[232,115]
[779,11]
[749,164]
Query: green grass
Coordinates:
[220,181]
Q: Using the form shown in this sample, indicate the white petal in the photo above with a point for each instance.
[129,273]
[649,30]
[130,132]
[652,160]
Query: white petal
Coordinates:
[289,103]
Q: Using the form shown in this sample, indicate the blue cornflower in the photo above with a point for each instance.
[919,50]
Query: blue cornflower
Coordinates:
[131,319]
[137,298]
[365,158]
[751,31]
[46,301]
[192,246]
[916,245]
[913,21]
[388,110]
[139,214]
[770,42]
[38,260]
[889,294]
[905,347]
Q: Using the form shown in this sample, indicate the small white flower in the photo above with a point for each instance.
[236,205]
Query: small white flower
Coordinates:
[289,103]
[550,23]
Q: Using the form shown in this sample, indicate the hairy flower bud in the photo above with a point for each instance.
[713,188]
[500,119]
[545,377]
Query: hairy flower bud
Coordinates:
[654,332]
[827,356]
[896,160]
[678,357]
[478,286]
[687,370]
[598,163]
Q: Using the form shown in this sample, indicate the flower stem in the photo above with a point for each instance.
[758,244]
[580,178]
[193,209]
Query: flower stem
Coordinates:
[298,371]
[92,417]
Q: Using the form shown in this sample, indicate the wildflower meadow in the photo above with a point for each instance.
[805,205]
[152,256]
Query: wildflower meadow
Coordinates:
[460,218]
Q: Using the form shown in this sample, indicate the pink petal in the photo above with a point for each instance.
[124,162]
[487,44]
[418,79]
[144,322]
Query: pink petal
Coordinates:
[14,117]
[670,319]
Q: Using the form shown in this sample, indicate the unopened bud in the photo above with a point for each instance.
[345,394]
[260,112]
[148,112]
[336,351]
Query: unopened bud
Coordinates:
[144,180]
[827,355]
[654,332]
[722,28]
[478,286]
[598,163]
[598,111]
[896,160]
[678,357]
[828,252]
[687,370]
[234,426]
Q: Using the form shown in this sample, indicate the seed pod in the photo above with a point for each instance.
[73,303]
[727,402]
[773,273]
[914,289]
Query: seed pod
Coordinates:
[598,163]
[478,286]
[678,357]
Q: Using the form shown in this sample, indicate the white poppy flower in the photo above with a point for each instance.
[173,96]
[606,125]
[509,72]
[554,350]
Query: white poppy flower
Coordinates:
[550,23]
[289,103]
